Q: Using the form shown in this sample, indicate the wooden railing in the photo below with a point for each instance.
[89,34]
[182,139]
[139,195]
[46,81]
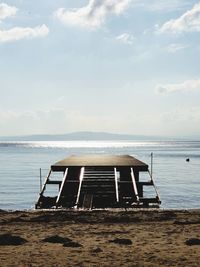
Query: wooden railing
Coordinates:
[134,185]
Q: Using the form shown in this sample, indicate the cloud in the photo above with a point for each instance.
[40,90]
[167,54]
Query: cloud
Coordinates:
[181,121]
[173,48]
[18,33]
[186,118]
[93,15]
[189,85]
[188,22]
[125,38]
[7,11]
[56,121]
[60,120]
[163,5]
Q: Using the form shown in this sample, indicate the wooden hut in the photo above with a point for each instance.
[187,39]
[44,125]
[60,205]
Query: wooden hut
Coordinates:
[99,181]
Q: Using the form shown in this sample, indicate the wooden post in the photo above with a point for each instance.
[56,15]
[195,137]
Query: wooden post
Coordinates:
[116,185]
[134,185]
[151,165]
[40,179]
[80,183]
[61,187]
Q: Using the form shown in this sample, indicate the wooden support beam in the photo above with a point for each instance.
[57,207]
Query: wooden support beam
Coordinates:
[134,185]
[43,188]
[80,183]
[54,182]
[45,182]
[157,195]
[116,185]
[61,188]
[147,183]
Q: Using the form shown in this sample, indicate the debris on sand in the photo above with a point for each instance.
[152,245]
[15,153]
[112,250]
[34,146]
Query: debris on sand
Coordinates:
[192,242]
[57,239]
[96,250]
[121,241]
[11,240]
[67,242]
[72,244]
[3,211]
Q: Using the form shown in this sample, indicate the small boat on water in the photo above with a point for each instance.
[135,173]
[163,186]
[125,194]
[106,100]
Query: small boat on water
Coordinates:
[99,181]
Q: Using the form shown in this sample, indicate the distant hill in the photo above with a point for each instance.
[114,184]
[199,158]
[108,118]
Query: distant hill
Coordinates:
[82,136]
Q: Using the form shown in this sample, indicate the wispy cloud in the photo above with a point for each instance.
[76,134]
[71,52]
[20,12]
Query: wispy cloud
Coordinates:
[185,119]
[189,85]
[163,5]
[7,11]
[173,48]
[18,33]
[125,38]
[188,22]
[93,15]
[55,121]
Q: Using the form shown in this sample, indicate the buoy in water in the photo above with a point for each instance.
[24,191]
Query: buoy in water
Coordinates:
[187,159]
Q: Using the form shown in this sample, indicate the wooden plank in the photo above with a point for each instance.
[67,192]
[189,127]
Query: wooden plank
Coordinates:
[43,188]
[87,201]
[61,188]
[80,183]
[154,187]
[145,183]
[97,161]
[53,182]
[46,180]
[116,185]
[134,185]
[150,200]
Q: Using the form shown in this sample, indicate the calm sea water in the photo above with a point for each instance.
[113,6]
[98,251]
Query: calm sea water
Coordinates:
[178,181]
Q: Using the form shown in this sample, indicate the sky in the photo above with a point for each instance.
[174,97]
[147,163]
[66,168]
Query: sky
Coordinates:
[119,66]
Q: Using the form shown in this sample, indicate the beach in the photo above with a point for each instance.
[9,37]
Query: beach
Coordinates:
[100,238]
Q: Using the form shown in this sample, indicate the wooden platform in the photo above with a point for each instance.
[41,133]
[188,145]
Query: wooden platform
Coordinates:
[99,160]
[99,181]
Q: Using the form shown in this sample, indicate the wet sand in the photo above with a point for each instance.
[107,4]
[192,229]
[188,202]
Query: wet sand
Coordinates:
[100,238]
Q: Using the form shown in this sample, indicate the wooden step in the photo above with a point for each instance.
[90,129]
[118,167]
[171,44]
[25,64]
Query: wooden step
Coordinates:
[103,195]
[149,200]
[98,181]
[99,168]
[53,182]
[99,172]
[98,186]
[72,181]
[100,193]
[145,183]
[99,175]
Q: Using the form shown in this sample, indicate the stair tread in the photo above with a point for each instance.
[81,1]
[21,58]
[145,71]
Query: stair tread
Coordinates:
[98,180]
[53,182]
[149,199]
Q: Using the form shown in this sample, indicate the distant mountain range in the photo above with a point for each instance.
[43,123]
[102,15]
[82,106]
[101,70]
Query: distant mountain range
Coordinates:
[82,136]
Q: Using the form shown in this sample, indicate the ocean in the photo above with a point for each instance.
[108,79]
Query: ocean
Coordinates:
[177,181]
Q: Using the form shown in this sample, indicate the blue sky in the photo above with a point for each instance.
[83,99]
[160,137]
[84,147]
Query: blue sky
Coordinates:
[121,66]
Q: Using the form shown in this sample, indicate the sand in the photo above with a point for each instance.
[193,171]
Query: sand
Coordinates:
[100,238]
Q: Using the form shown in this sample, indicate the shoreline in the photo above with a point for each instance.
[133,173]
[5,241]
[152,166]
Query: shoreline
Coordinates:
[106,209]
[85,238]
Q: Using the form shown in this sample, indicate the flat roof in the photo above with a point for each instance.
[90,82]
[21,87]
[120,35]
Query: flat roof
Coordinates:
[95,160]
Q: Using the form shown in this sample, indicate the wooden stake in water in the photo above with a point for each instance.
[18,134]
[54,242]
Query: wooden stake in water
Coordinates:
[151,165]
[40,179]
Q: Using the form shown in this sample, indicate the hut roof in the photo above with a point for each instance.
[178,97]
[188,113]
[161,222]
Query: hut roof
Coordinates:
[99,160]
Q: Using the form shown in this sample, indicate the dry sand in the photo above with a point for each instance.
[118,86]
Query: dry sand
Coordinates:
[100,238]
